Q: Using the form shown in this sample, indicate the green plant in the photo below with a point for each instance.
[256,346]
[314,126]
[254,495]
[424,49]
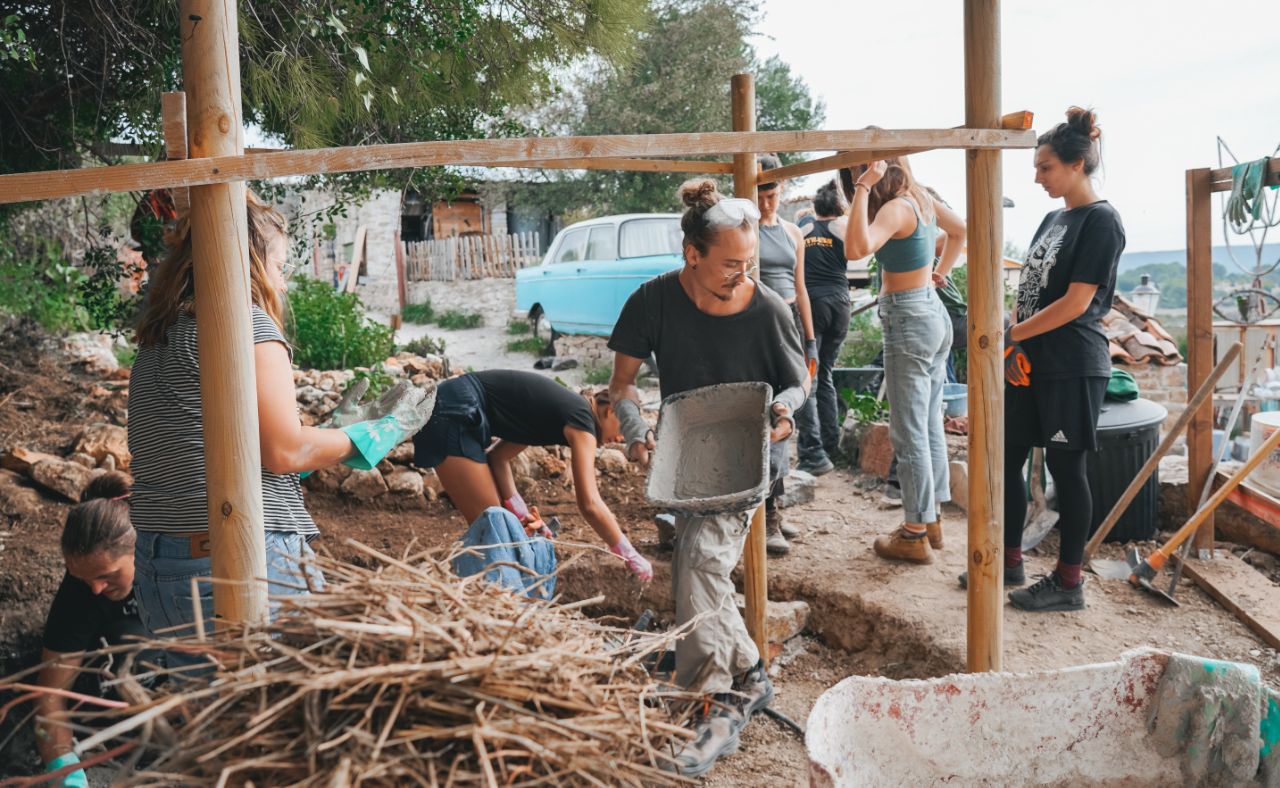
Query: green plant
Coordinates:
[418,313]
[329,329]
[597,375]
[424,346]
[517,328]
[42,285]
[527,345]
[125,354]
[866,408]
[454,320]
[864,342]
[379,380]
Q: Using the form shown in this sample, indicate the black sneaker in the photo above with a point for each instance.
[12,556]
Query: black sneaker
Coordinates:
[755,688]
[1012,577]
[891,496]
[1047,594]
[716,729]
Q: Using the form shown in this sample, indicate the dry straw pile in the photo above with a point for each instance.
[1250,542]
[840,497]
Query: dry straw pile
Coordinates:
[403,674]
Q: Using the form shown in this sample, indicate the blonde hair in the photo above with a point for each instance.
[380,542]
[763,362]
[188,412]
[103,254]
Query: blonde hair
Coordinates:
[173,286]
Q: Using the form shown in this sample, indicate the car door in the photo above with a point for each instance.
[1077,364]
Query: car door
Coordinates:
[596,280]
[647,247]
[557,285]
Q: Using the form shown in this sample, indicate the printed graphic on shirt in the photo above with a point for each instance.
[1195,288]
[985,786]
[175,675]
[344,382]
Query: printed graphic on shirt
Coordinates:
[1035,271]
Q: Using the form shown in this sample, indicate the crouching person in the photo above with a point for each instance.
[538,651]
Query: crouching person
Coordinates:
[93,608]
[709,323]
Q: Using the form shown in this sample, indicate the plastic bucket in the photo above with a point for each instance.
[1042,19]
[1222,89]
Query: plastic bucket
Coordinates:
[1266,475]
[955,400]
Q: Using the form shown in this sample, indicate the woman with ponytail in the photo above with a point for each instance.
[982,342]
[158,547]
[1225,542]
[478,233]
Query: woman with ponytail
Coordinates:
[1056,359]
[93,608]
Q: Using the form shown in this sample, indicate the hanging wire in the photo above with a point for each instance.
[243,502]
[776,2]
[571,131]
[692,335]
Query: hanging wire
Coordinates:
[1250,302]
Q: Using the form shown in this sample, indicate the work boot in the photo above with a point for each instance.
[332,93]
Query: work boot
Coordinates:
[1013,576]
[903,546]
[756,690]
[716,728]
[1047,594]
[934,529]
[774,542]
[891,496]
[822,466]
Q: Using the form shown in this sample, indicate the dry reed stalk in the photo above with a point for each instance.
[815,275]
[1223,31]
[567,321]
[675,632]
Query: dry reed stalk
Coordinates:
[401,673]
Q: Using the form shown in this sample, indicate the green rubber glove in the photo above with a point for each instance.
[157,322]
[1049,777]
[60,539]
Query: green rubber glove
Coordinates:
[74,779]
[375,438]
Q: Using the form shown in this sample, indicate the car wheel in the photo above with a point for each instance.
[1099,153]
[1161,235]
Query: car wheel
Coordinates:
[540,324]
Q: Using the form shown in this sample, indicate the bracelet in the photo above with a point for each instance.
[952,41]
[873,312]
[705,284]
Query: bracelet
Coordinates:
[856,184]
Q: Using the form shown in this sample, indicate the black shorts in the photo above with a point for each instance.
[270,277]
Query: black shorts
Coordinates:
[1055,414]
[458,426]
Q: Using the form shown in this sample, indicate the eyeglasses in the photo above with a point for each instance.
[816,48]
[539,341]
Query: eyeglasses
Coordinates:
[732,212]
[287,269]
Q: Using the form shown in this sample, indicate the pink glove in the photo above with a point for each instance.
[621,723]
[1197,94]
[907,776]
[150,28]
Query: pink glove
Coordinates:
[516,505]
[635,562]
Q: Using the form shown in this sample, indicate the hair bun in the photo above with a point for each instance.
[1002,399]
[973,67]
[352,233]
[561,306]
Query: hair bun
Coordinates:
[699,193]
[1084,121]
[112,484]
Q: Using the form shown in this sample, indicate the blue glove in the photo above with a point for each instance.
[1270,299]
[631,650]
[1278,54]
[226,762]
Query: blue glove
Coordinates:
[75,779]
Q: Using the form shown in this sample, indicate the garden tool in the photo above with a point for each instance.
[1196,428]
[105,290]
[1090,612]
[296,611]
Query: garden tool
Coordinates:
[1118,570]
[1143,571]
[1040,518]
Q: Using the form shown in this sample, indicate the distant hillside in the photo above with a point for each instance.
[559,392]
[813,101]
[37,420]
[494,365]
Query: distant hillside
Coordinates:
[1243,253]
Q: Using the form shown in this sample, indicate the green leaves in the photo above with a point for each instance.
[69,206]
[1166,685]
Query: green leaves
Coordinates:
[329,330]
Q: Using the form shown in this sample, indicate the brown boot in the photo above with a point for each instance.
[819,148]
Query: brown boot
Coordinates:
[902,546]
[934,529]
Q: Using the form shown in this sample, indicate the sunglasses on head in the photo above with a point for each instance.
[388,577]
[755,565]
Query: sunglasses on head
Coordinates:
[732,212]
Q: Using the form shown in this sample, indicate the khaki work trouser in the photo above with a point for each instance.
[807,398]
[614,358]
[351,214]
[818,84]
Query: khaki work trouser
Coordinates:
[718,648]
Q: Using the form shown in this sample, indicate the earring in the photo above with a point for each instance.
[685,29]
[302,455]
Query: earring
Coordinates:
[694,266]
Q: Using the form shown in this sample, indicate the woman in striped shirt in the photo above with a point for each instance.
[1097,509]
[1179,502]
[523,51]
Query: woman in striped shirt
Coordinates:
[166,433]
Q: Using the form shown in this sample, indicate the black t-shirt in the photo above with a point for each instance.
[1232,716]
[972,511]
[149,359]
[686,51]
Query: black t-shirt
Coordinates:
[1078,245]
[825,268]
[80,620]
[527,408]
[694,349]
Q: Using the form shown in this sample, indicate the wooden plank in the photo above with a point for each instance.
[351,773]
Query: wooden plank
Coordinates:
[1220,179]
[1244,591]
[173,114]
[357,258]
[1253,500]
[1199,341]
[220,251]
[622,165]
[985,614]
[225,169]
[827,163]
[1022,119]
[402,288]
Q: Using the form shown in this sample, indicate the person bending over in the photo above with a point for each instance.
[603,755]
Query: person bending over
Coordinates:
[519,409]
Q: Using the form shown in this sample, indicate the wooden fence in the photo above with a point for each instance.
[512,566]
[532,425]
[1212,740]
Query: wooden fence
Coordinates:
[470,257]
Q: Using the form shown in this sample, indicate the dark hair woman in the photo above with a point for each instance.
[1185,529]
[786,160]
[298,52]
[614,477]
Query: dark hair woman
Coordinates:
[93,607]
[1057,361]
[893,217]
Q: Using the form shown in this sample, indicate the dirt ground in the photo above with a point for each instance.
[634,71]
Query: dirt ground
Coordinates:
[867,616]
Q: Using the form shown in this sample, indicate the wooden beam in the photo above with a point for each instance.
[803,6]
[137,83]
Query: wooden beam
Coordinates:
[622,165]
[985,622]
[1199,342]
[173,114]
[833,162]
[1220,179]
[1022,119]
[1244,591]
[220,250]
[480,153]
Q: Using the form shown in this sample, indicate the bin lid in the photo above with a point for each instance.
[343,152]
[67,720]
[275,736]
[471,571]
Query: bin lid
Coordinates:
[1129,415]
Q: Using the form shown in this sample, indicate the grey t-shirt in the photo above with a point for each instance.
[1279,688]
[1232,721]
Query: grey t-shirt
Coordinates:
[695,349]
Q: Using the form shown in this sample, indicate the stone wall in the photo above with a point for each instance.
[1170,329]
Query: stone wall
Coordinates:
[493,298]
[1165,385]
[380,216]
[589,351]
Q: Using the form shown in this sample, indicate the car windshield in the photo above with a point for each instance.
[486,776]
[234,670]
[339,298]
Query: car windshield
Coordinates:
[645,237]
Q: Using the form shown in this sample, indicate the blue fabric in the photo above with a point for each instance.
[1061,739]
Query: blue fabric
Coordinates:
[499,536]
[75,779]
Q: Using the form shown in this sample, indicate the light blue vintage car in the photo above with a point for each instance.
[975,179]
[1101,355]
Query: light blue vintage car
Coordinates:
[590,270]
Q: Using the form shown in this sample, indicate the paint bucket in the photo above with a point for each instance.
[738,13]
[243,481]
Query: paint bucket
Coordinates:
[1267,474]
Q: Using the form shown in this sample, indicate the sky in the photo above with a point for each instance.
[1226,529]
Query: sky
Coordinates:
[1166,79]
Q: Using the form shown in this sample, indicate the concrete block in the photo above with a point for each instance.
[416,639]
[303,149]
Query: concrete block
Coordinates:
[875,452]
[800,487]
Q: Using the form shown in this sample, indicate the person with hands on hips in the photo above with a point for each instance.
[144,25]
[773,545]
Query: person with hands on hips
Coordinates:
[169,505]
[709,323]
[892,216]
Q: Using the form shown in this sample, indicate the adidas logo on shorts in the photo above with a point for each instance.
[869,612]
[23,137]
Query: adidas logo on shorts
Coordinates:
[1058,437]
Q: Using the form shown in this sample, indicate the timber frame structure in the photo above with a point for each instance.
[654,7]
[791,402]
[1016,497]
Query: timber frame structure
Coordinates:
[205,138]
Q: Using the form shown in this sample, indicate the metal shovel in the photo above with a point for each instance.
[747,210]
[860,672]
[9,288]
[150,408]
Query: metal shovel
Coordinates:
[1040,518]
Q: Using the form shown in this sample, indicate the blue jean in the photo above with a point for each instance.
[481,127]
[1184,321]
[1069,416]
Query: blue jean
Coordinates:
[917,341]
[164,568]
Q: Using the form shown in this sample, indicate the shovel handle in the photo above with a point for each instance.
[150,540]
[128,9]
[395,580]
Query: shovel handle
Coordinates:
[1131,492]
[1161,556]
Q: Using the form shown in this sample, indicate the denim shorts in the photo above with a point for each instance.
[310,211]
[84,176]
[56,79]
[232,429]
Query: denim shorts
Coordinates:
[458,426]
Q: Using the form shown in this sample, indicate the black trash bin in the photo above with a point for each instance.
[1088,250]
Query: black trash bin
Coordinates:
[1128,434]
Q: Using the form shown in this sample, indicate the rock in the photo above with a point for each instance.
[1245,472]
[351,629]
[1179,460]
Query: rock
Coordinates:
[22,460]
[611,461]
[799,487]
[65,478]
[402,454]
[959,473]
[551,467]
[666,524]
[17,497]
[327,480]
[108,463]
[404,481]
[384,466]
[521,465]
[93,350]
[783,620]
[325,383]
[875,452]
[431,486]
[1261,561]
[1173,469]
[80,458]
[364,485]
[100,440]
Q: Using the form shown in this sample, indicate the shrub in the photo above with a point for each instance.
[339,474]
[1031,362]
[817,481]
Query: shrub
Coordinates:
[424,346]
[597,375]
[379,380]
[329,329]
[455,320]
[865,340]
[421,314]
[43,286]
[527,345]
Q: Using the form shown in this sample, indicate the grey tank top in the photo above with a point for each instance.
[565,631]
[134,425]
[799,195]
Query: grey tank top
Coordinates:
[778,260]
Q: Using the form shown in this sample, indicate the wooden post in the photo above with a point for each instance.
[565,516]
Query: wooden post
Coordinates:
[220,249]
[402,288]
[1199,344]
[986,305]
[173,115]
[755,584]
